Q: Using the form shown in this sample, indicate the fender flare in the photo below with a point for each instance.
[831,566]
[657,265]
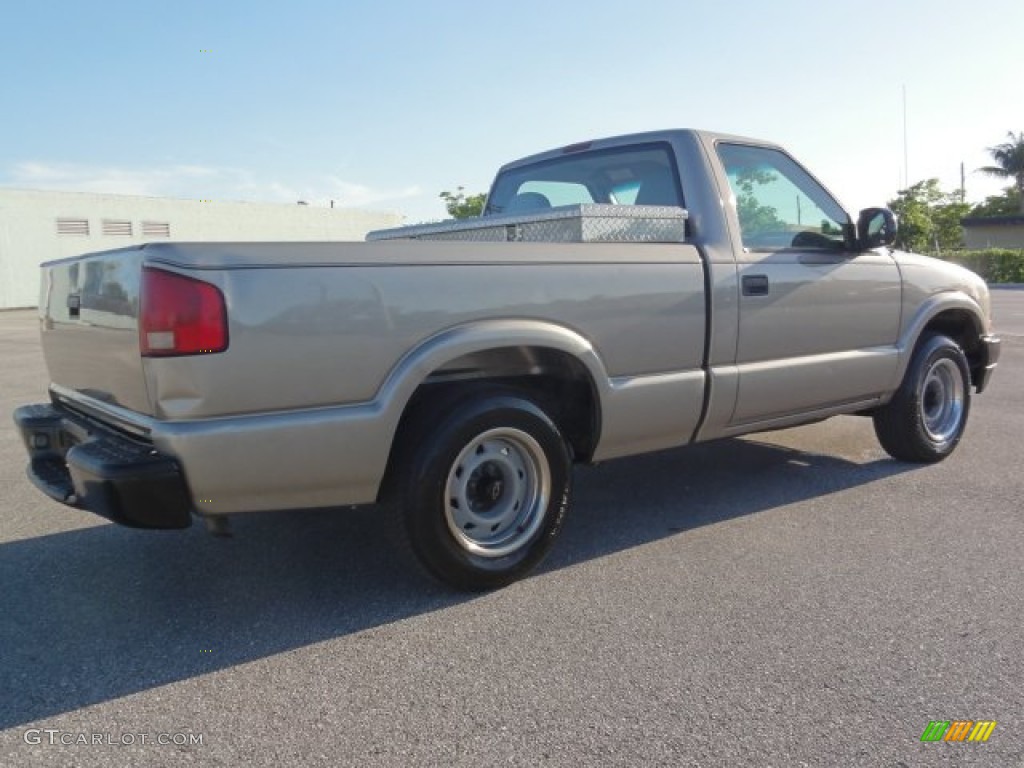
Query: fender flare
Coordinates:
[434,352]
[927,311]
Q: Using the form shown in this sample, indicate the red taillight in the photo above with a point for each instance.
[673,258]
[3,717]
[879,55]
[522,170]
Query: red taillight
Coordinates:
[180,315]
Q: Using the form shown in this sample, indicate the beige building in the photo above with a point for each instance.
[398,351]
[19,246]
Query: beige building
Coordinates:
[993,232]
[37,226]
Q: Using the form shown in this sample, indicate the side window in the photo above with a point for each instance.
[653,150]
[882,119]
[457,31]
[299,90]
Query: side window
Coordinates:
[624,193]
[558,192]
[779,205]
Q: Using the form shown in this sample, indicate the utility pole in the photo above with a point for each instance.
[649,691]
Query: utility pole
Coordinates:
[963,185]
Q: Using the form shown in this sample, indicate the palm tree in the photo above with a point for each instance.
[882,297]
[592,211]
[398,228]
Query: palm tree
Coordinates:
[1009,157]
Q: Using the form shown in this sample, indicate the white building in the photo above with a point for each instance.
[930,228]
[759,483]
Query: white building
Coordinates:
[36,226]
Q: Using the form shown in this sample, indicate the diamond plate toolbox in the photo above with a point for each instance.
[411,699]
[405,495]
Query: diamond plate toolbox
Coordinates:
[588,223]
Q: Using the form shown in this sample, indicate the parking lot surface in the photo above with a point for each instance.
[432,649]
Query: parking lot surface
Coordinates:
[795,598]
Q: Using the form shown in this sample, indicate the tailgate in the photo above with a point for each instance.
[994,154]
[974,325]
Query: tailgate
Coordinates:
[89,307]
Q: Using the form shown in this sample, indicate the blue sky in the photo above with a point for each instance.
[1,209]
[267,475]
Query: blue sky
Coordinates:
[382,105]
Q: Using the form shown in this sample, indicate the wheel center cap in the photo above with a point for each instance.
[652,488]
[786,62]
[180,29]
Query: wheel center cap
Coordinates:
[485,488]
[496,490]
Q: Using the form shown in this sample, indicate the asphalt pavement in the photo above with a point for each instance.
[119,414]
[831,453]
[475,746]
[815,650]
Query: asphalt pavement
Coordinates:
[788,599]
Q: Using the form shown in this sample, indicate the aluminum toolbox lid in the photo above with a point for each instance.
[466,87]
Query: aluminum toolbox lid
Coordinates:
[590,222]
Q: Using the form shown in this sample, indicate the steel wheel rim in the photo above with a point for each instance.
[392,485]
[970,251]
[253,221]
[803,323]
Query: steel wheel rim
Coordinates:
[942,400]
[497,492]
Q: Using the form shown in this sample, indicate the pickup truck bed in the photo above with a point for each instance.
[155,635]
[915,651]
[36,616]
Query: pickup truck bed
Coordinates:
[348,352]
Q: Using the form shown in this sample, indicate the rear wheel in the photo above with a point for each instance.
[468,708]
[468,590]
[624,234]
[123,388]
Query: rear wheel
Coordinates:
[481,487]
[926,417]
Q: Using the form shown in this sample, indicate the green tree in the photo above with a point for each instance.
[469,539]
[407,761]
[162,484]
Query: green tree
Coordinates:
[948,233]
[1009,159]
[463,206]
[755,217]
[929,219]
[1006,204]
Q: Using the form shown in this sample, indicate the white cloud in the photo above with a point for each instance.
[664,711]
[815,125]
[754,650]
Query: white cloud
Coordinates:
[202,182]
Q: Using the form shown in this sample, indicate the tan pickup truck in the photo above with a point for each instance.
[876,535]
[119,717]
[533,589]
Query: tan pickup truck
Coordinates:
[617,296]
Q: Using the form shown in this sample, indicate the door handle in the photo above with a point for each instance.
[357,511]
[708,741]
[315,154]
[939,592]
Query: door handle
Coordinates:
[755,285]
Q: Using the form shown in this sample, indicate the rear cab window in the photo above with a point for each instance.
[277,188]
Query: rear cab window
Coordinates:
[638,174]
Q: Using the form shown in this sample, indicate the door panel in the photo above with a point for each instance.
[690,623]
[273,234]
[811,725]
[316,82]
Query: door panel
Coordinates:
[823,334]
[818,323]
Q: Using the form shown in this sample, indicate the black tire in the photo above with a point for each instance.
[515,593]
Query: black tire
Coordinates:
[481,486]
[927,416]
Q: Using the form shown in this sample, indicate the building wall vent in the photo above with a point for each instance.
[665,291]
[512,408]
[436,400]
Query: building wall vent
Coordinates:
[117,228]
[66,226]
[156,229]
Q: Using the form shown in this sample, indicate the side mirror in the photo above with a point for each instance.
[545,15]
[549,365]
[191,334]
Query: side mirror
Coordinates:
[875,227]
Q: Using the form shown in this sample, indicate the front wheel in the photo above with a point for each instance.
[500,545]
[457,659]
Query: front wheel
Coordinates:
[926,417]
[483,488]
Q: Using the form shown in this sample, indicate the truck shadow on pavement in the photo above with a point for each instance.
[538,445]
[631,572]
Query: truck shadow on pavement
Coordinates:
[99,613]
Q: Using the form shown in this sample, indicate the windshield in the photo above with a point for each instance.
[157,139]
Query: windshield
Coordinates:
[641,174]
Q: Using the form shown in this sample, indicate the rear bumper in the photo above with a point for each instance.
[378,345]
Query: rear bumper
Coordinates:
[82,464]
[297,459]
[991,346]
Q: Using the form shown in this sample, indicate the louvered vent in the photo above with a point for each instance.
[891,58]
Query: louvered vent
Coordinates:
[117,228]
[72,226]
[156,229]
